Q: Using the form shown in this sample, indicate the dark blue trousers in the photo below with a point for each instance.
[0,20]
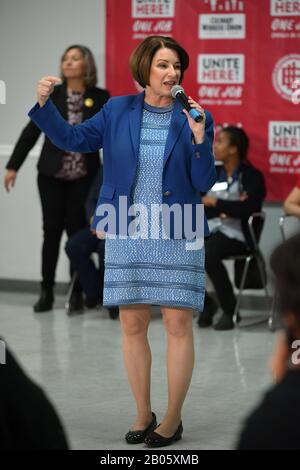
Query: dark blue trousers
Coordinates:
[79,248]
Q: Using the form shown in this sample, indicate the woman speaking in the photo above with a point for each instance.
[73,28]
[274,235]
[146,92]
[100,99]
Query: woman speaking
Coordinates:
[154,154]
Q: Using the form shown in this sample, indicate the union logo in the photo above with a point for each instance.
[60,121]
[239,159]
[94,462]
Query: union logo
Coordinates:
[285,72]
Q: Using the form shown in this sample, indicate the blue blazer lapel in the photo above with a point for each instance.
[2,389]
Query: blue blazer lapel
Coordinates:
[135,120]
[177,122]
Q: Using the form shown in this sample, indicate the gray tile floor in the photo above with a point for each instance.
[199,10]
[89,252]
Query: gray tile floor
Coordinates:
[78,362]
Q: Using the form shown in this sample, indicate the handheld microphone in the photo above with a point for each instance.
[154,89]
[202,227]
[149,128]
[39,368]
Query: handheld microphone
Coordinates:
[178,93]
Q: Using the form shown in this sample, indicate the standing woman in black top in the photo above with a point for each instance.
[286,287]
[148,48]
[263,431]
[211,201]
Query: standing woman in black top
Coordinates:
[63,177]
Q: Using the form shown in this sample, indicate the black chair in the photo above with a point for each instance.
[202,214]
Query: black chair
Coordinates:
[283,222]
[69,293]
[253,254]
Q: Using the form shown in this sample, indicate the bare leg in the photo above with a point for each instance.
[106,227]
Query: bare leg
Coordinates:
[180,364]
[137,358]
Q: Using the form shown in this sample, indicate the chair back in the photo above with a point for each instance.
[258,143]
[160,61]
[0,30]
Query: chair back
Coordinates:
[256,224]
[282,225]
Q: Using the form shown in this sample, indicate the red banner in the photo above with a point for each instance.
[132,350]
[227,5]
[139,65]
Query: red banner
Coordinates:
[244,68]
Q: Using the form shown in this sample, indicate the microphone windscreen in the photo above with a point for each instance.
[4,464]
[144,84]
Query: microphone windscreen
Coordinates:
[175,89]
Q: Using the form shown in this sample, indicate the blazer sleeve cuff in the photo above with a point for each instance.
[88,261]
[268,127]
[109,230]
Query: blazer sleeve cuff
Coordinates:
[202,149]
[37,111]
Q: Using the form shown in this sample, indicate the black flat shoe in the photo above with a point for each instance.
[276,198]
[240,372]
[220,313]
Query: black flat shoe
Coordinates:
[137,437]
[156,440]
[93,302]
[226,322]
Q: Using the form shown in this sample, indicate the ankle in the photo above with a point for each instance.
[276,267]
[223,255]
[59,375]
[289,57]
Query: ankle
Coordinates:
[171,417]
[144,415]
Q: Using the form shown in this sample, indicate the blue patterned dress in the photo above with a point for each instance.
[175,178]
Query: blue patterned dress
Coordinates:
[153,271]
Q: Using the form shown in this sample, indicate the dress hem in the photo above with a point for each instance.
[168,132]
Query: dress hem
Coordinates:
[154,303]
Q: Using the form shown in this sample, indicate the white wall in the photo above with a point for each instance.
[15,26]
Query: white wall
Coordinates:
[33,35]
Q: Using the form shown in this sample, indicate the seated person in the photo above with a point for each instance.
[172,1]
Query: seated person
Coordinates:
[228,207]
[28,421]
[291,205]
[79,248]
[274,424]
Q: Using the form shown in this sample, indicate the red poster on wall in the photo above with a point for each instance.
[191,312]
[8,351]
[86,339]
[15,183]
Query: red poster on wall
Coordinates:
[244,68]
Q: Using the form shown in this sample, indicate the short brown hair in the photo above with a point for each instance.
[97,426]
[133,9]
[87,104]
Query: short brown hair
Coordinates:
[90,78]
[142,56]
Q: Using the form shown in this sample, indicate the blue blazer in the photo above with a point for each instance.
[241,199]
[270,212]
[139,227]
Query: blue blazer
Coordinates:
[188,169]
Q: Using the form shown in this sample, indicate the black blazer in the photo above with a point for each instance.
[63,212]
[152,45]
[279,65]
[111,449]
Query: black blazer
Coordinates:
[251,181]
[50,160]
